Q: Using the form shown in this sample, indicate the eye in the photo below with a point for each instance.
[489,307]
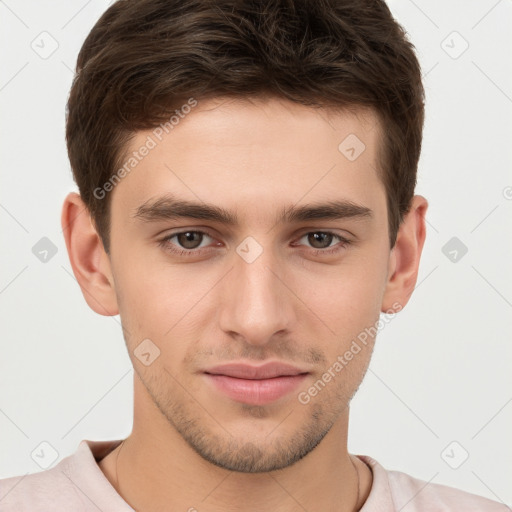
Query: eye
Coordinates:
[194,242]
[321,242]
[187,242]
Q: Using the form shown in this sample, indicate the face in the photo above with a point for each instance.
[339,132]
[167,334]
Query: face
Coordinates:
[250,298]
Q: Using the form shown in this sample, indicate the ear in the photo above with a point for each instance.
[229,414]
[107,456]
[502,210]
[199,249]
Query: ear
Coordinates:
[405,257]
[90,263]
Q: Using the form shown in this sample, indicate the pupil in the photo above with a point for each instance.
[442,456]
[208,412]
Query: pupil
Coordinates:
[319,237]
[188,237]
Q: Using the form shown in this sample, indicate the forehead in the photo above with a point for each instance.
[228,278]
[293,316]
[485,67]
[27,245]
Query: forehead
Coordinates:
[259,154]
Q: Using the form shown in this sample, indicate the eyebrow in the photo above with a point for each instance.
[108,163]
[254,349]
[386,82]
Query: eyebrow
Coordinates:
[169,207]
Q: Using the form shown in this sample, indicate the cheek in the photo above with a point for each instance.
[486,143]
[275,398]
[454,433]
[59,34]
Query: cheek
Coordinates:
[347,297]
[163,304]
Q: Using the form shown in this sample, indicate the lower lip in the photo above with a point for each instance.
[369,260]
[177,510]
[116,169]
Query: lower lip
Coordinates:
[256,391]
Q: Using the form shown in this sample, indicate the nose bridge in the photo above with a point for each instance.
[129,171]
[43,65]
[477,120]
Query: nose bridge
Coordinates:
[255,303]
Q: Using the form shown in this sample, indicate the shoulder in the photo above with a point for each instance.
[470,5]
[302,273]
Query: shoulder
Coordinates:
[75,483]
[424,495]
[412,494]
[41,491]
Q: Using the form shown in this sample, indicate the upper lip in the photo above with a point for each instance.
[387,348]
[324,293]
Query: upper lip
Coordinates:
[246,371]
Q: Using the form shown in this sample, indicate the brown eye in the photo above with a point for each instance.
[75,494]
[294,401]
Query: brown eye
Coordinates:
[186,243]
[320,242]
[189,239]
[320,239]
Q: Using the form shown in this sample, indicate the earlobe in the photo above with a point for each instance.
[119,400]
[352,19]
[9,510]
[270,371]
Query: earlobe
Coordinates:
[405,257]
[90,263]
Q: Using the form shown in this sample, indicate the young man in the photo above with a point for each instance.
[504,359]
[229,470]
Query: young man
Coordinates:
[246,174]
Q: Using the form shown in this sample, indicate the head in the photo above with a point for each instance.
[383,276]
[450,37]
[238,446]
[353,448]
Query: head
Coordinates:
[294,128]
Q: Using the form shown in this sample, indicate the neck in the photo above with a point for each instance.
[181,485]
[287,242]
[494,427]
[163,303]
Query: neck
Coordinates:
[155,469]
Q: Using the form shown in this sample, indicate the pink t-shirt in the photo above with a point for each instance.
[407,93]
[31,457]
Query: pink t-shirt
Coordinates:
[77,484]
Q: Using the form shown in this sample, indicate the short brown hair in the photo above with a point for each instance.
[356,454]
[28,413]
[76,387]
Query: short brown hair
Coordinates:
[143,58]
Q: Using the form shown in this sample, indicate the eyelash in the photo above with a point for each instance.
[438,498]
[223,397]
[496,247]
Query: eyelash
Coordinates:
[165,243]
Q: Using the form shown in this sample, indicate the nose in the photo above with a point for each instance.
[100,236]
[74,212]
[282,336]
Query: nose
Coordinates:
[257,303]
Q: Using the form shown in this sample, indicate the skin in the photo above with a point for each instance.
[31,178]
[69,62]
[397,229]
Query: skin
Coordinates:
[192,446]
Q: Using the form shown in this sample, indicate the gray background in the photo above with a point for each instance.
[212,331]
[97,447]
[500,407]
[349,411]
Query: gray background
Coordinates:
[439,383]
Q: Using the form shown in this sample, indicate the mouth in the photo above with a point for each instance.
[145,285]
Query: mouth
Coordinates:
[255,385]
